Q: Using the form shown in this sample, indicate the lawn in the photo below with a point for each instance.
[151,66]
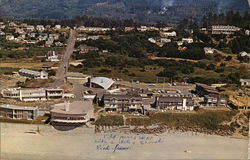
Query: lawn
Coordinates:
[146,74]
[110,120]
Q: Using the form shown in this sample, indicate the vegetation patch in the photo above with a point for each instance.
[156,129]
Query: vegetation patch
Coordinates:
[110,120]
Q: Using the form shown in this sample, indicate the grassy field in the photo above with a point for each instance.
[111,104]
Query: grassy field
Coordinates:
[147,74]
[7,69]
[209,120]
[110,120]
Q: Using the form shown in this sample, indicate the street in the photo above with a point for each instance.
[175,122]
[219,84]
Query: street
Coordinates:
[64,65]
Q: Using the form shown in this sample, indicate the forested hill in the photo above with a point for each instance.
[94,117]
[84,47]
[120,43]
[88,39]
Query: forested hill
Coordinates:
[141,10]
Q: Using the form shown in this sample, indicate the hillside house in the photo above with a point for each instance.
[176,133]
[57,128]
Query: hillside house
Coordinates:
[85,49]
[52,56]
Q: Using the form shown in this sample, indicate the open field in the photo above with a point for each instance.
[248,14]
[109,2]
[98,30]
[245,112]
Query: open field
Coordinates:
[34,65]
[24,142]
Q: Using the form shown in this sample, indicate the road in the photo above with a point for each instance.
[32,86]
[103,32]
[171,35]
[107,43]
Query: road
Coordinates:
[64,65]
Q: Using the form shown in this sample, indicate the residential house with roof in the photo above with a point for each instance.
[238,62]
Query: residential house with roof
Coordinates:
[245,82]
[52,56]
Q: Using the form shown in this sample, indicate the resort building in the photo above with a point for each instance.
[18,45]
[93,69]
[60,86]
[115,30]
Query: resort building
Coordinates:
[122,103]
[32,94]
[78,112]
[33,74]
[18,112]
[174,103]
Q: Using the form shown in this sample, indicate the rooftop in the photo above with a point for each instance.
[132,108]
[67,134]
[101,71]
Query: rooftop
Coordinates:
[7,106]
[75,108]
[104,82]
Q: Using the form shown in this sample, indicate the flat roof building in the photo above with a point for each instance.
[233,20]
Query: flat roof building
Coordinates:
[33,94]
[18,112]
[78,112]
[33,74]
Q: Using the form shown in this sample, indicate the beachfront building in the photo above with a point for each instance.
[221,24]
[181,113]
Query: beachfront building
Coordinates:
[174,103]
[211,96]
[75,113]
[122,103]
[32,94]
[18,112]
[33,74]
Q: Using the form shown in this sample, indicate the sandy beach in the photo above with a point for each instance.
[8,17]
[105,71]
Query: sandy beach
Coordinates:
[22,142]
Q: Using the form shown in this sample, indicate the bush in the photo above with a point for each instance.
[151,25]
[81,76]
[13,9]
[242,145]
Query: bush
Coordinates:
[110,120]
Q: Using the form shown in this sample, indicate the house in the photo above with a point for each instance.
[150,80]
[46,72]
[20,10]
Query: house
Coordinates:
[59,44]
[213,100]
[169,34]
[58,26]
[245,82]
[40,28]
[165,40]
[30,28]
[18,112]
[221,29]
[54,36]
[12,24]
[122,103]
[81,37]
[152,40]
[75,113]
[85,49]
[42,37]
[49,42]
[247,32]
[93,37]
[174,103]
[32,34]
[128,29]
[52,56]
[187,40]
[244,54]
[208,50]
[10,38]
[33,74]
[2,33]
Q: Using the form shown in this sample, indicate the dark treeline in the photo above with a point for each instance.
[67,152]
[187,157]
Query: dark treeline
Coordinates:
[230,18]
[86,21]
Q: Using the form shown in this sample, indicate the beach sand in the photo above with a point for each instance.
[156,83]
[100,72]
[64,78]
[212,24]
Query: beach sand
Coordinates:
[22,142]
